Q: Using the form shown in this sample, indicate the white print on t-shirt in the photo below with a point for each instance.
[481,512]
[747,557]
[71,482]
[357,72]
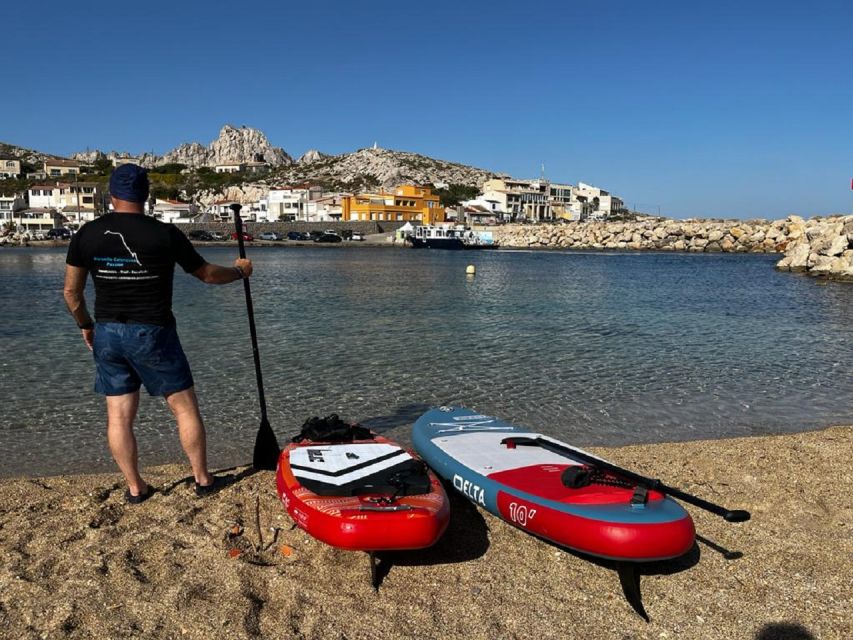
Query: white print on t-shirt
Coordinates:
[124,242]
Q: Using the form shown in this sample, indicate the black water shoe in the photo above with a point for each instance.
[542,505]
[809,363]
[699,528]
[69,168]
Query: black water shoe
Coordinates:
[142,497]
[219,483]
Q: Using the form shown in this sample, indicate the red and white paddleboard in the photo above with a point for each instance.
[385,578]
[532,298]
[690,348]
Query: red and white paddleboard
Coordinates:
[365,495]
[526,486]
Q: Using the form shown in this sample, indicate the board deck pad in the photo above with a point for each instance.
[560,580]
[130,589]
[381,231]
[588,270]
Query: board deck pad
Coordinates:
[351,468]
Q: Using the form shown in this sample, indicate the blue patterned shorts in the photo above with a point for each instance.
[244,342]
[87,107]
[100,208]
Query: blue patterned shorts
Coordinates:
[130,355]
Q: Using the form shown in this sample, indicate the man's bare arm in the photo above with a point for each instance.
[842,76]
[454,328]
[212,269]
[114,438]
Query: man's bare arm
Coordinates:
[75,284]
[217,274]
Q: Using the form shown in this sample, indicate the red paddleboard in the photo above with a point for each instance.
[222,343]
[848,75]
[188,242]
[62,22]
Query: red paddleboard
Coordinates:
[365,495]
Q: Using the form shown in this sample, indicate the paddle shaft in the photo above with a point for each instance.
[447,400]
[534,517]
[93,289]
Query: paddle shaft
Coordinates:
[238,223]
[649,483]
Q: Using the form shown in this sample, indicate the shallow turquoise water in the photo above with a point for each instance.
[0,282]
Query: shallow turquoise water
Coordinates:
[595,348]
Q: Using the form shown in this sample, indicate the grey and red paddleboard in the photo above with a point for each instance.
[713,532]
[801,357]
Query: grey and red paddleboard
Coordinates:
[527,486]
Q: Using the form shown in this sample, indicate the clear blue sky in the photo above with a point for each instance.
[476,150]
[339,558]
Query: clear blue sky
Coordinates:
[741,109]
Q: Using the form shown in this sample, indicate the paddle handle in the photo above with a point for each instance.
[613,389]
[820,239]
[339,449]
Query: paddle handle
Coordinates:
[238,224]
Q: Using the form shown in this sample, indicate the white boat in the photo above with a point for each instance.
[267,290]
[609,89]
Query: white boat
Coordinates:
[447,236]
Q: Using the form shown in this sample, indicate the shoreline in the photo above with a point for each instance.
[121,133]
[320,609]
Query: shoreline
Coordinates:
[79,563]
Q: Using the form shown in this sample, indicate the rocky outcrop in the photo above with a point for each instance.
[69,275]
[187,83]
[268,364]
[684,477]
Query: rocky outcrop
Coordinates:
[245,194]
[234,145]
[312,155]
[148,160]
[820,247]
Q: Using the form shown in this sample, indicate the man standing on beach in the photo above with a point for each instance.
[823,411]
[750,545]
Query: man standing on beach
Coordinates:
[134,340]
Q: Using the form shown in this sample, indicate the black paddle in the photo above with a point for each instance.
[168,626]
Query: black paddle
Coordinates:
[649,483]
[267,450]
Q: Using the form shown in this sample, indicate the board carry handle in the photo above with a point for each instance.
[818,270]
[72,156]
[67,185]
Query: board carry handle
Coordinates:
[737,515]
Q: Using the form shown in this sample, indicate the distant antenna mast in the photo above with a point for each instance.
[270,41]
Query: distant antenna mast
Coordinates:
[542,174]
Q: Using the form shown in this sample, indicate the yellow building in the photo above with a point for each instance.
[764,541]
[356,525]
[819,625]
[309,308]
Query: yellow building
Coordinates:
[407,203]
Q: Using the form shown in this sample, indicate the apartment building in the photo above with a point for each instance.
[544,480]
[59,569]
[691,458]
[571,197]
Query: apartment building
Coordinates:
[408,202]
[62,195]
[519,199]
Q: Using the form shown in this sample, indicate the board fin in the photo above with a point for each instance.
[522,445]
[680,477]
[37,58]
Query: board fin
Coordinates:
[629,578]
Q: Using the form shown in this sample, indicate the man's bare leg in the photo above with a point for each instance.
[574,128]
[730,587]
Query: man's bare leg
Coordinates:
[184,405]
[121,411]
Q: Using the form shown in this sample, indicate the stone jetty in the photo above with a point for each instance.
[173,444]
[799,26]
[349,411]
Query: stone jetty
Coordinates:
[818,246]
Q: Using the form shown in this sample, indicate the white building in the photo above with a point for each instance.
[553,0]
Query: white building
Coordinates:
[221,210]
[290,203]
[234,167]
[519,199]
[38,219]
[174,211]
[9,204]
[63,195]
[10,168]
[601,204]
[325,209]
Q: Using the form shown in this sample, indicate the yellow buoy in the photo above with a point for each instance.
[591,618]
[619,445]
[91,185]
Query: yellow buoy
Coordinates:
[471,270]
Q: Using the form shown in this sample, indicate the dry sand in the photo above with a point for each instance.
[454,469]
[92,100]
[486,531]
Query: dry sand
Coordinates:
[77,562]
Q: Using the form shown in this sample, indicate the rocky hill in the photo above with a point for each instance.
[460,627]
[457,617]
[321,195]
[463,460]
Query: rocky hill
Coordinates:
[363,169]
[379,167]
[23,154]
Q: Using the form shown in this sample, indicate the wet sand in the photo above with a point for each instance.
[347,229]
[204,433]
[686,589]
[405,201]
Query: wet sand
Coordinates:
[77,562]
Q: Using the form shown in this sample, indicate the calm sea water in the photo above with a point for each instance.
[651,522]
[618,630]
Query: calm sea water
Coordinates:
[595,348]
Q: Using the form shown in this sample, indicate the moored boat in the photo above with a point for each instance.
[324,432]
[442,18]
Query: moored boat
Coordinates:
[453,237]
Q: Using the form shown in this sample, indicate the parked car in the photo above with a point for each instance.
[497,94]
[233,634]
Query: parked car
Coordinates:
[357,235]
[60,233]
[313,235]
[200,235]
[270,235]
[218,236]
[246,236]
[297,235]
[328,237]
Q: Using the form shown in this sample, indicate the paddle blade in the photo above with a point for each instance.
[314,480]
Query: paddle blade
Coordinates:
[266,448]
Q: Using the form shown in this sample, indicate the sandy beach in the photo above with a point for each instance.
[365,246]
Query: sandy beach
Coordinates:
[77,562]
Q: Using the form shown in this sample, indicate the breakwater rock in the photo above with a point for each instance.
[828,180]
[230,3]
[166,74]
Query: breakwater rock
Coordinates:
[820,246]
[652,234]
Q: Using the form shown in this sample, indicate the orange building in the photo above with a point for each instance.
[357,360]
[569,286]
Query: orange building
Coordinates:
[407,203]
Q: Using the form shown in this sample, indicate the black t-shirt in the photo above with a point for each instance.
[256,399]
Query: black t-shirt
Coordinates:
[132,260]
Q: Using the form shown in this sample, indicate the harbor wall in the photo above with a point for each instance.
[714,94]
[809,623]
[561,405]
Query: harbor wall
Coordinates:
[818,246]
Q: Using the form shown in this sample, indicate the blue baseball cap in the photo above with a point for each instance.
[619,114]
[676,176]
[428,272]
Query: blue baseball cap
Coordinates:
[129,182]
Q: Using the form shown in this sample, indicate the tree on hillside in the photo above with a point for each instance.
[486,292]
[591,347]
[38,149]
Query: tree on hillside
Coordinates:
[456,193]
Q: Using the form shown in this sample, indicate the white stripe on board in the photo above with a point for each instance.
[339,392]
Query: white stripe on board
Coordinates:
[354,475]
